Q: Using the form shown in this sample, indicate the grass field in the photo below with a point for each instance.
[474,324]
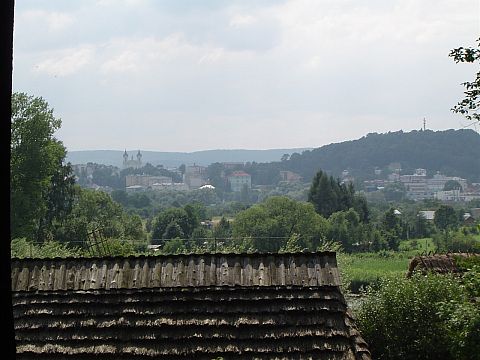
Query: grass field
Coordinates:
[420,245]
[360,270]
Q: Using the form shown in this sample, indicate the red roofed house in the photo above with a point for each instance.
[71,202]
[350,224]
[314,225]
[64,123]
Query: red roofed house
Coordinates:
[238,180]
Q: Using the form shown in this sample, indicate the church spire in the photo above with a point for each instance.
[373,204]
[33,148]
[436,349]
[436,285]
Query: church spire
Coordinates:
[125,157]
[139,158]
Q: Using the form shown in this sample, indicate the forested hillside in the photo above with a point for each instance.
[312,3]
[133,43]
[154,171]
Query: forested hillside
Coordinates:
[452,152]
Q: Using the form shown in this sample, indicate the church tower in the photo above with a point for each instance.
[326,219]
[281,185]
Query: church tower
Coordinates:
[139,159]
[125,158]
[131,163]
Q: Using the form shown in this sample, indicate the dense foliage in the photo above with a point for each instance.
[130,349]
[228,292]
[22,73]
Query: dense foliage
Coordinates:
[41,185]
[272,223]
[452,152]
[22,248]
[471,103]
[425,317]
[329,195]
[175,223]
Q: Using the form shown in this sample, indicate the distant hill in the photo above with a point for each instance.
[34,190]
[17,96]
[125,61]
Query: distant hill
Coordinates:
[170,159]
[452,152]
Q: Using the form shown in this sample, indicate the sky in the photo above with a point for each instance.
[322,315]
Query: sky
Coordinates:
[188,75]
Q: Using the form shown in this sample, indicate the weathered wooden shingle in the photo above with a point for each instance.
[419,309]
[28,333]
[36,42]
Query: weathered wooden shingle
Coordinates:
[285,306]
[314,269]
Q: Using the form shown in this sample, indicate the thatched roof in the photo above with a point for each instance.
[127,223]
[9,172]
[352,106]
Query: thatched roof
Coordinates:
[437,263]
[270,306]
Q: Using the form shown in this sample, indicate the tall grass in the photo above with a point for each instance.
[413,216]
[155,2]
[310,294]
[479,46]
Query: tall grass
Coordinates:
[363,269]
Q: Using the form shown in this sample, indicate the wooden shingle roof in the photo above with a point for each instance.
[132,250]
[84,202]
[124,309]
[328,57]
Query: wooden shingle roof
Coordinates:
[315,269]
[262,306]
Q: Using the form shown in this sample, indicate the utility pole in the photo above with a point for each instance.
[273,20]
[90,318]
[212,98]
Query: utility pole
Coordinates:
[424,124]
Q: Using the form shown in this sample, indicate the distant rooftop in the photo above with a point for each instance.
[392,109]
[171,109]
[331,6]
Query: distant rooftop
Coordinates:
[239,174]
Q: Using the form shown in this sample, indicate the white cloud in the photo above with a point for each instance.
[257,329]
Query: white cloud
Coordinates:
[143,54]
[126,61]
[66,62]
[55,21]
[240,20]
[133,3]
[151,54]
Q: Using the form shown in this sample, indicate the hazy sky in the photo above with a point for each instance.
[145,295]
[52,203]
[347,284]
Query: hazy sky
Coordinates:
[185,75]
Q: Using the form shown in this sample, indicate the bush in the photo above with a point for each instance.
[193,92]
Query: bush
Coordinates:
[22,248]
[462,318]
[456,241]
[405,318]
[116,247]
[174,246]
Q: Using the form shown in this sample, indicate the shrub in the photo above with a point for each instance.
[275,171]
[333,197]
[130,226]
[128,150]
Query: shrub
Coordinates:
[174,246]
[22,248]
[462,318]
[117,247]
[403,318]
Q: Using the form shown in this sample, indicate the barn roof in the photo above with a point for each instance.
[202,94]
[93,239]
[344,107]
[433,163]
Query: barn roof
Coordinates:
[270,306]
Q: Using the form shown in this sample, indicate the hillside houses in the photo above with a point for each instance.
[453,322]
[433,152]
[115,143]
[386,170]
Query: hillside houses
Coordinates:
[418,186]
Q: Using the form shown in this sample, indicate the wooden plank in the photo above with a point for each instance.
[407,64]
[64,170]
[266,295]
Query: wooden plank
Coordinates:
[34,278]
[186,270]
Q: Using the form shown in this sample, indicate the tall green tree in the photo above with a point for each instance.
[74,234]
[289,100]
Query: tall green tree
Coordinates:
[323,195]
[95,210]
[271,223]
[446,218]
[41,184]
[392,226]
[329,195]
[175,223]
[223,229]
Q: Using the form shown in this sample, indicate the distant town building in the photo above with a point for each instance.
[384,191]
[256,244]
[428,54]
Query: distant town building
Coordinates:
[238,180]
[419,187]
[427,214]
[468,219]
[374,185]
[233,165]
[195,176]
[416,185]
[134,188]
[169,186]
[132,163]
[475,213]
[289,176]
[146,181]
[394,177]
[395,167]
[450,195]
[438,181]
[207,186]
